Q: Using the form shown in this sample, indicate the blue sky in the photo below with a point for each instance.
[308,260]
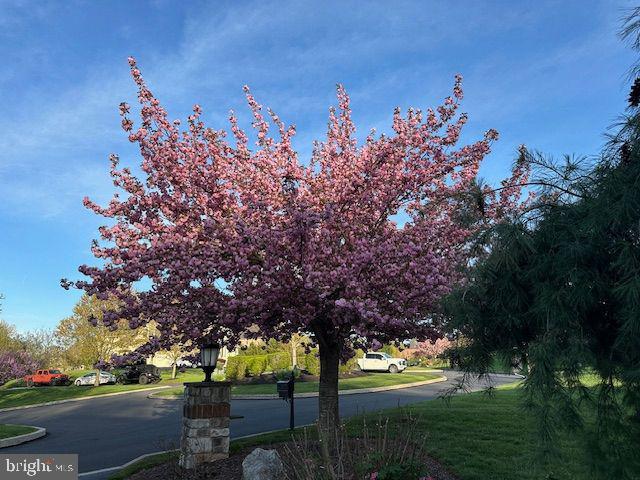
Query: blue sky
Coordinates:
[547,74]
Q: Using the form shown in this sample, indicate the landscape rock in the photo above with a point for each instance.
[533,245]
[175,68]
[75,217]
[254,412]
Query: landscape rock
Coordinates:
[262,465]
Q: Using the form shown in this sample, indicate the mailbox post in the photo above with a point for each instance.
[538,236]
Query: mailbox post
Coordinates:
[285,391]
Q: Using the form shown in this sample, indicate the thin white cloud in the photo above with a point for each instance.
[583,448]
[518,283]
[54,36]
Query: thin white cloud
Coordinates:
[292,53]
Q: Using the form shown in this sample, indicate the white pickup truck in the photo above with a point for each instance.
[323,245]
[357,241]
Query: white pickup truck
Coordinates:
[381,362]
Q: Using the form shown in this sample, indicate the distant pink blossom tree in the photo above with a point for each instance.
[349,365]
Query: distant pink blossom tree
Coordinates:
[432,348]
[15,364]
[231,237]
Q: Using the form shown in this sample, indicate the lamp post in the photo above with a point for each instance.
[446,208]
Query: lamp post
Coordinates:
[209,358]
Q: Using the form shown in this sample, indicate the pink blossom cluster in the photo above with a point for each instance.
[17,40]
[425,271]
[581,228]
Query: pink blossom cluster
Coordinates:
[432,348]
[15,365]
[232,234]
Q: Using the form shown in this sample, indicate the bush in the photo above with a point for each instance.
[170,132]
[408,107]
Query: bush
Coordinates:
[257,365]
[285,374]
[349,366]
[312,363]
[279,361]
[236,368]
[391,350]
[252,350]
[381,451]
[240,366]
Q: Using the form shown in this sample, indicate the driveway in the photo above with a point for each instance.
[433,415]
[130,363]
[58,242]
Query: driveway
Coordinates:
[107,432]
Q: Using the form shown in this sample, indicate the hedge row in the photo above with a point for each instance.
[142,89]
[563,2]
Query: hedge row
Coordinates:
[241,366]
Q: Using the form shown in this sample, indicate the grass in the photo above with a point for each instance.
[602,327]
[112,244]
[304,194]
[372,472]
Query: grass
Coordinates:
[369,381]
[35,395]
[480,437]
[474,436]
[144,464]
[31,396]
[7,431]
[190,375]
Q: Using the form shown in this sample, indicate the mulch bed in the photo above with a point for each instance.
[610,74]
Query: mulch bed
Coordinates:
[231,468]
[227,469]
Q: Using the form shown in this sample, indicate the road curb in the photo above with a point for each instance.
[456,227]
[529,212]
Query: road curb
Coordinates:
[315,394]
[27,437]
[80,399]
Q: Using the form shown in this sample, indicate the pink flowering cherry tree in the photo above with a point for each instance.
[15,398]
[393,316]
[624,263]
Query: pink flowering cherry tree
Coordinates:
[15,364]
[432,349]
[238,239]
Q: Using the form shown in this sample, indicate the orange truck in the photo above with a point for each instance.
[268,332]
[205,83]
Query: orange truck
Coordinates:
[47,377]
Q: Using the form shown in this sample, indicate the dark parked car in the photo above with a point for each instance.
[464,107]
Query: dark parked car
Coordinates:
[141,374]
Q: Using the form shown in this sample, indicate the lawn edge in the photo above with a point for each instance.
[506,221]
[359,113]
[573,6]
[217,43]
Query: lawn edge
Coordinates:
[25,437]
[355,391]
[79,399]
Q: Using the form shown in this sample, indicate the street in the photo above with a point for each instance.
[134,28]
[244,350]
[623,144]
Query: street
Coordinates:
[108,432]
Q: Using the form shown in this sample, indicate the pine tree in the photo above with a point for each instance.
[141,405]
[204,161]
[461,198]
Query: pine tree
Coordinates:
[560,292]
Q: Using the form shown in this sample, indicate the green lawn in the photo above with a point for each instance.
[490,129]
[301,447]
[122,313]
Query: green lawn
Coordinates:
[7,431]
[475,436]
[190,375]
[369,381]
[480,437]
[29,396]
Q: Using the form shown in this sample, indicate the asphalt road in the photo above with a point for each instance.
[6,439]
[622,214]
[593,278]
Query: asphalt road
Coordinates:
[107,432]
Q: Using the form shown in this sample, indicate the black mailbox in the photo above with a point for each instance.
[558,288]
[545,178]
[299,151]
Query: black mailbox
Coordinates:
[284,389]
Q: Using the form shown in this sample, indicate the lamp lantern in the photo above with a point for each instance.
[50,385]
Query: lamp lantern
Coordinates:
[209,358]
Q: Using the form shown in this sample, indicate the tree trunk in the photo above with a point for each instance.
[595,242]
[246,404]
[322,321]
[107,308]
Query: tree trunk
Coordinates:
[97,382]
[294,354]
[173,370]
[329,416]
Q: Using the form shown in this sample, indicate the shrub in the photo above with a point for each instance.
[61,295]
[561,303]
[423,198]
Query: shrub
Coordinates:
[285,374]
[257,365]
[236,368]
[240,365]
[349,366]
[312,363]
[279,361]
[391,350]
[383,450]
[252,349]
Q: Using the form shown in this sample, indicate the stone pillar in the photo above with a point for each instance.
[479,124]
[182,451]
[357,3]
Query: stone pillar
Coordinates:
[205,423]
